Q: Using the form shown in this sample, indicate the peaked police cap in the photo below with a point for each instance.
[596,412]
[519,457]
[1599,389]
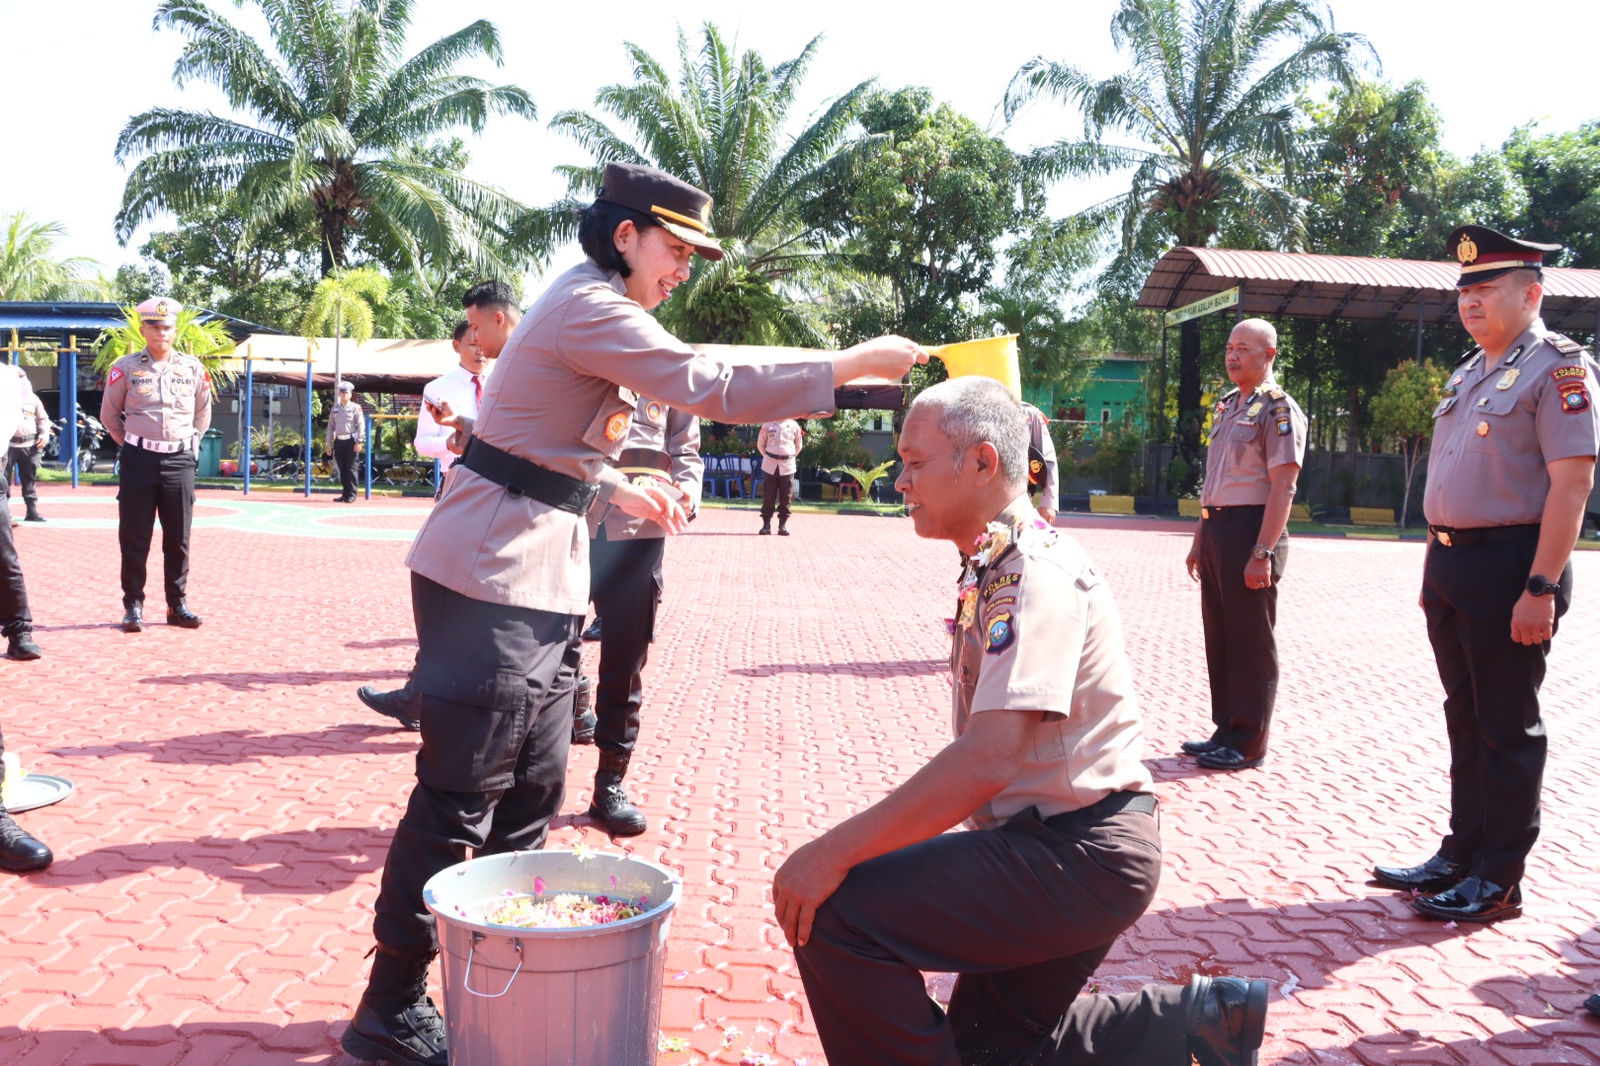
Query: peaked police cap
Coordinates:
[683,210]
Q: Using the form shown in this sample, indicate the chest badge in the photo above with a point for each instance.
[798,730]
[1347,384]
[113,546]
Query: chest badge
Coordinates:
[652,411]
[1508,379]
[1483,428]
[1253,410]
[1484,402]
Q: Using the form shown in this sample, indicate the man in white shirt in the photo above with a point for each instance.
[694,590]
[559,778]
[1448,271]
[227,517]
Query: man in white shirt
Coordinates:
[492,313]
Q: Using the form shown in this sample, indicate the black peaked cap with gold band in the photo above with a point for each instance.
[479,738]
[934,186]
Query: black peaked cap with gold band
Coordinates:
[1485,254]
[682,209]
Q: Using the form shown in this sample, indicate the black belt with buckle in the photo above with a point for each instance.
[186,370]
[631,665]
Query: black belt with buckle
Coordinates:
[523,478]
[1232,509]
[1466,538]
[637,458]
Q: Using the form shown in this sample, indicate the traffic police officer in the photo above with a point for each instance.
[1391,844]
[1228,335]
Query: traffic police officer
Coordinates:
[778,442]
[157,405]
[1044,477]
[347,424]
[625,583]
[27,440]
[1063,850]
[500,580]
[1514,443]
[1258,442]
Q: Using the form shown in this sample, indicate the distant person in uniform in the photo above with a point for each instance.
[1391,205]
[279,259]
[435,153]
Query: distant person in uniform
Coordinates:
[1512,463]
[347,424]
[16,622]
[157,405]
[779,443]
[1063,850]
[500,581]
[1241,545]
[1043,475]
[27,441]
[491,314]
[626,583]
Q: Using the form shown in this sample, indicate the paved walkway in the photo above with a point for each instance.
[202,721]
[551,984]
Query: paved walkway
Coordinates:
[211,899]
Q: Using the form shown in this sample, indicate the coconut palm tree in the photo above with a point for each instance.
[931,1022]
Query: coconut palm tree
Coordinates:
[338,131]
[1206,116]
[718,124]
[347,301]
[29,269]
[199,333]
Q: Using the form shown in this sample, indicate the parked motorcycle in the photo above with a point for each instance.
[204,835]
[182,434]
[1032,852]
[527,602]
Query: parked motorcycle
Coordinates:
[90,435]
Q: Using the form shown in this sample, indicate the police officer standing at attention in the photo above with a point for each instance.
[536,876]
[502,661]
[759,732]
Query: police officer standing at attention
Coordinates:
[31,435]
[1044,477]
[346,427]
[157,404]
[1258,442]
[1063,849]
[1514,444]
[625,583]
[500,581]
[491,314]
[779,442]
[16,622]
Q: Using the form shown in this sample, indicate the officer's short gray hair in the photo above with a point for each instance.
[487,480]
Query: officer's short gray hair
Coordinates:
[977,409]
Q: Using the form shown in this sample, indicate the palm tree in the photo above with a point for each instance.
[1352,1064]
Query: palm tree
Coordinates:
[338,135]
[29,269]
[1208,106]
[199,333]
[718,125]
[346,300]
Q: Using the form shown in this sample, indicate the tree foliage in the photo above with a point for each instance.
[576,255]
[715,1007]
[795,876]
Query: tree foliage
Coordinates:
[31,270]
[1403,412]
[339,132]
[197,334]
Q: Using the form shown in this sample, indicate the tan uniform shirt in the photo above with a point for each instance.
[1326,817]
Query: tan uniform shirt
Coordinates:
[563,396]
[1046,636]
[34,420]
[1249,436]
[660,429]
[1495,429]
[345,420]
[158,399]
[779,442]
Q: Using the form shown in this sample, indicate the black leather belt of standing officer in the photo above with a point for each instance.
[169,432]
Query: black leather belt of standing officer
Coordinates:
[523,478]
[1233,510]
[1466,538]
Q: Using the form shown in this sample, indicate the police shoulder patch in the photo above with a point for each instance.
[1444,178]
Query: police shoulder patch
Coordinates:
[1000,630]
[115,375]
[1569,373]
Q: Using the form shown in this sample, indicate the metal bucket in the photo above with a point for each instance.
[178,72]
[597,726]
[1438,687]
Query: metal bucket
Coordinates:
[541,997]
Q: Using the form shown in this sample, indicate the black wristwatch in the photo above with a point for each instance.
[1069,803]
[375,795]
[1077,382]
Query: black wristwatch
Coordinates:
[1262,552]
[1538,586]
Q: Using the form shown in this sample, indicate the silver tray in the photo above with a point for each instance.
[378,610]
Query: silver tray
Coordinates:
[40,790]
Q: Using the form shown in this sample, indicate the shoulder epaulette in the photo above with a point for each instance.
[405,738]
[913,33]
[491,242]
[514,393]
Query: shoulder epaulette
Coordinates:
[1276,393]
[1564,344]
[1469,355]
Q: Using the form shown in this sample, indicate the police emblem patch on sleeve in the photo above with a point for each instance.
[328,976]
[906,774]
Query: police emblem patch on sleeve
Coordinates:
[1000,632]
[1574,397]
[652,411]
[115,375]
[617,425]
[1284,427]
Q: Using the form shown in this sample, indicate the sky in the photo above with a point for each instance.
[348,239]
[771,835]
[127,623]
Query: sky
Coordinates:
[74,71]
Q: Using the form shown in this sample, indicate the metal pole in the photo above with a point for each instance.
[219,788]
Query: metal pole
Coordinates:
[436,476]
[1239,314]
[310,385]
[249,402]
[1422,306]
[368,450]
[68,363]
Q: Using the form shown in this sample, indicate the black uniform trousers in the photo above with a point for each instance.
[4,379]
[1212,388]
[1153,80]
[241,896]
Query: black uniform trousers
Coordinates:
[151,484]
[1491,701]
[625,585]
[775,492]
[344,457]
[14,615]
[497,691]
[1023,914]
[24,459]
[1241,648]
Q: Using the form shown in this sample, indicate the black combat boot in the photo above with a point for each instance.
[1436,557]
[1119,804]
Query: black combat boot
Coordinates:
[20,645]
[396,1021]
[133,619]
[20,852]
[404,704]
[766,526]
[584,721]
[611,806]
[783,527]
[1227,1019]
[178,614]
[33,514]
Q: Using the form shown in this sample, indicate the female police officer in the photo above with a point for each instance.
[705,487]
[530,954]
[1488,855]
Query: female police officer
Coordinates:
[500,570]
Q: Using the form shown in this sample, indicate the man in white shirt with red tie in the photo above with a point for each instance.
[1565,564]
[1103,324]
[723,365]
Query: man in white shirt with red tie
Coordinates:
[492,313]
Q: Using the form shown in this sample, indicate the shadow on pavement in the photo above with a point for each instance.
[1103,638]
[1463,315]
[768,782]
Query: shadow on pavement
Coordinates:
[231,746]
[256,681]
[892,668]
[387,642]
[213,1042]
[304,862]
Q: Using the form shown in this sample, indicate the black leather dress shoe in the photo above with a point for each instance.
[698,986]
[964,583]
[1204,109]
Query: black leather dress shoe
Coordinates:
[1221,758]
[20,852]
[1592,1004]
[593,632]
[21,646]
[1227,1019]
[133,619]
[1473,900]
[404,704]
[180,615]
[1435,875]
[1199,747]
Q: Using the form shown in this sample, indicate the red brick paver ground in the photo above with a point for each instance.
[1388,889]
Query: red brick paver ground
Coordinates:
[211,898]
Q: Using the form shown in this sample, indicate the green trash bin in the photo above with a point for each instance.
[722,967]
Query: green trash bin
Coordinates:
[211,454]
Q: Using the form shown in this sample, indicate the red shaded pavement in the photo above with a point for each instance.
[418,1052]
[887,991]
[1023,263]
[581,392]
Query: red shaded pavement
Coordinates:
[211,898]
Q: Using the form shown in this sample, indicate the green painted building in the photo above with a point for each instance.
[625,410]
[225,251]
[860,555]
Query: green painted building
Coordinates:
[1114,395]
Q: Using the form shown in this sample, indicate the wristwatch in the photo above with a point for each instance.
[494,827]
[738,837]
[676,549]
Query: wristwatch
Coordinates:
[1260,552]
[1538,586]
